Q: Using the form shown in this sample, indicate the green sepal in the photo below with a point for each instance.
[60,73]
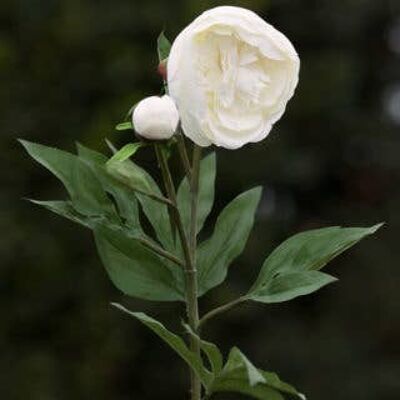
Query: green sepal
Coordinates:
[124,126]
[127,151]
[163,47]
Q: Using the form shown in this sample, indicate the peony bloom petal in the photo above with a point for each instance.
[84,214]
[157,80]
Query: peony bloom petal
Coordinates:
[231,75]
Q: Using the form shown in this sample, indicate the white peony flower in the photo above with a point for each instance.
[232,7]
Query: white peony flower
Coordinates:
[231,75]
[156,118]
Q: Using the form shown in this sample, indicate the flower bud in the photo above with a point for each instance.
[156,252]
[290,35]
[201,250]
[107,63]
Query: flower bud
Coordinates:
[156,118]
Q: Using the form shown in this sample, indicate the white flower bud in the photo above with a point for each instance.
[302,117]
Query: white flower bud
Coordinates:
[156,118]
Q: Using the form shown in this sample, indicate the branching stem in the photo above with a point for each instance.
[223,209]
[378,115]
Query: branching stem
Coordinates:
[220,310]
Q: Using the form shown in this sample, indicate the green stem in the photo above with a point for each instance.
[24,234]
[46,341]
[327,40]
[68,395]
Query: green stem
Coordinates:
[189,255]
[192,278]
[220,310]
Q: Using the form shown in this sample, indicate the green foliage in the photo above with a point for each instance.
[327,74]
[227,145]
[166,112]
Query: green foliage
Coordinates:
[108,197]
[292,268]
[163,47]
[132,267]
[228,240]
[206,193]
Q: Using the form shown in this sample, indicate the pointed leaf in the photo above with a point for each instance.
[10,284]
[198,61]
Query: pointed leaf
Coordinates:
[206,193]
[174,341]
[124,126]
[163,47]
[230,235]
[127,151]
[88,197]
[136,270]
[292,269]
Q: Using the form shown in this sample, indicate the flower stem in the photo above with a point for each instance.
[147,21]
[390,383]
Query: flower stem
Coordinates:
[192,278]
[189,250]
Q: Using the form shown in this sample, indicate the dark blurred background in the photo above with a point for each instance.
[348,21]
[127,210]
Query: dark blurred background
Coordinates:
[69,70]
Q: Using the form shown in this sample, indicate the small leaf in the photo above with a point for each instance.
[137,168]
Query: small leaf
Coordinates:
[136,270]
[174,341]
[230,235]
[87,194]
[292,268]
[206,193]
[127,151]
[240,375]
[124,126]
[163,47]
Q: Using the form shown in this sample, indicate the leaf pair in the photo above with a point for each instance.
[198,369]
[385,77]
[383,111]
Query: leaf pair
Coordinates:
[292,269]
[238,374]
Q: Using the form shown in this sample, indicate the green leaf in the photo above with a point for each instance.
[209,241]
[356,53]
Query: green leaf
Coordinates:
[87,194]
[174,341]
[124,126]
[240,375]
[291,285]
[65,209]
[292,268]
[206,193]
[163,47]
[124,197]
[211,351]
[127,151]
[230,235]
[136,270]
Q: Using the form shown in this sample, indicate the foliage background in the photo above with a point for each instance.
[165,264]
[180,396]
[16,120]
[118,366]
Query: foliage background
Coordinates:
[70,69]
